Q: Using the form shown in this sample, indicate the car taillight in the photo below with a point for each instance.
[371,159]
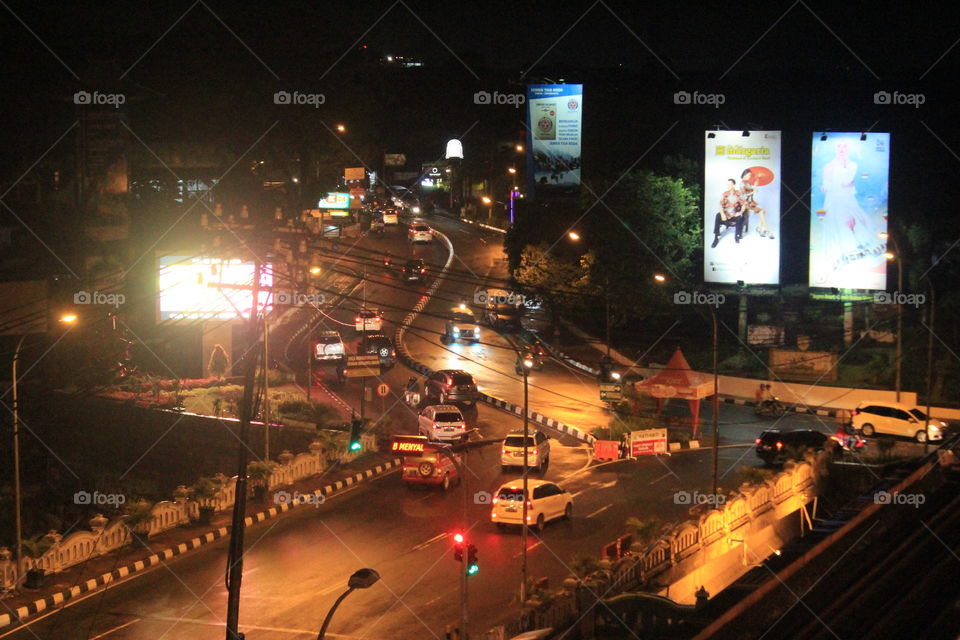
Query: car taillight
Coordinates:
[495,499]
[529,505]
[855,412]
[757,441]
[533,452]
[503,451]
[357,319]
[779,445]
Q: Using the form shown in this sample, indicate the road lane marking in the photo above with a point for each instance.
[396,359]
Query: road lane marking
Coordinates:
[106,633]
[252,627]
[529,548]
[599,511]
[426,544]
[668,473]
[332,588]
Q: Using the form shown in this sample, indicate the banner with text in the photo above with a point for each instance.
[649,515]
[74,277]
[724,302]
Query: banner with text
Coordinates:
[848,210]
[554,116]
[741,210]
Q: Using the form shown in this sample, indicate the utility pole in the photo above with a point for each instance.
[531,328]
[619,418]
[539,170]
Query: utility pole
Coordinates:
[235,553]
[16,466]
[526,470]
[933,309]
[266,386]
[464,617]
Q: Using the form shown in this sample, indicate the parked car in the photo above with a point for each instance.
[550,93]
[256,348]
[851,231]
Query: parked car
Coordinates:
[329,346]
[442,422]
[773,445]
[420,232]
[415,271]
[452,386]
[462,326]
[896,419]
[382,346]
[368,320]
[537,446]
[548,501]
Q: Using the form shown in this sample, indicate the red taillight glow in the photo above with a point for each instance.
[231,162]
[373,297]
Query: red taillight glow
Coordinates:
[757,441]
[458,538]
[495,499]
[357,319]
[533,452]
[855,412]
[529,505]
[779,445]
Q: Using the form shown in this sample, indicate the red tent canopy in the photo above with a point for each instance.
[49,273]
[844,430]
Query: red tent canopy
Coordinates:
[678,380]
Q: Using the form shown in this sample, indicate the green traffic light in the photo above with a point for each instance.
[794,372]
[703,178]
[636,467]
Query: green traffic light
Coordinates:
[354,446]
[472,569]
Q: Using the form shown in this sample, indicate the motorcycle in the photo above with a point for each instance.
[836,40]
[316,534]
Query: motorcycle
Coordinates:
[536,358]
[771,407]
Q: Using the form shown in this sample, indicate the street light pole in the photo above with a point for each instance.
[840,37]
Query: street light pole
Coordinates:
[716,406]
[16,465]
[607,291]
[899,316]
[526,497]
[933,309]
[333,609]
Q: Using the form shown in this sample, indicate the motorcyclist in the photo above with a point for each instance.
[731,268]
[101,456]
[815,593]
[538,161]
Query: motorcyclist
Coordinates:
[412,393]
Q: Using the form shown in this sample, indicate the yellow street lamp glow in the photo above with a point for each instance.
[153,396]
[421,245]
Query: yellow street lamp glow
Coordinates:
[68,317]
[573,235]
[519,148]
[341,128]
[615,375]
[660,277]
[463,306]
[486,200]
[884,235]
[315,270]
[528,364]
[511,170]
[888,255]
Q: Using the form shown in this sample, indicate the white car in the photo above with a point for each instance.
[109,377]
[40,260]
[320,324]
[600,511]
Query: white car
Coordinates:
[328,346]
[390,217]
[548,501]
[442,422]
[368,320]
[420,232]
[538,451]
[895,419]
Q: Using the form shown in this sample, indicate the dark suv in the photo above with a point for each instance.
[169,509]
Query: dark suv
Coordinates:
[775,446]
[380,345]
[415,271]
[451,386]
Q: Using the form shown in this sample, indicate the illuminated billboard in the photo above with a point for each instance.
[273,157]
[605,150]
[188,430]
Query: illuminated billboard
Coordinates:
[197,288]
[554,116]
[848,210]
[741,210]
[335,201]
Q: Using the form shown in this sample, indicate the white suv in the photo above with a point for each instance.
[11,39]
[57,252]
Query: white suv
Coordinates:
[893,418]
[420,232]
[538,451]
[548,502]
[442,422]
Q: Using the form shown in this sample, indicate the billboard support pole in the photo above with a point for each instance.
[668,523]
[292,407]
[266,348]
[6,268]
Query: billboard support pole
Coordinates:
[235,553]
[716,406]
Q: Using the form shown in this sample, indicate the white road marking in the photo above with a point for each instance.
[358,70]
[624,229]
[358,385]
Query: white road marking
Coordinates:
[426,544]
[252,627]
[106,633]
[668,473]
[529,548]
[599,511]
[332,588]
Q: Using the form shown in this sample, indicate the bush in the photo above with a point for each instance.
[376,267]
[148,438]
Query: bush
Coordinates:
[275,378]
[644,530]
[583,564]
[753,475]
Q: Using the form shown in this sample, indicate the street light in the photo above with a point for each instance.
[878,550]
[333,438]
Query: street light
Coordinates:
[511,170]
[899,258]
[659,277]
[67,318]
[527,365]
[573,235]
[362,579]
[519,148]
[341,128]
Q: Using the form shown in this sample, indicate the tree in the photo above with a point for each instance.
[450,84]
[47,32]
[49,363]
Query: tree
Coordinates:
[560,282]
[219,362]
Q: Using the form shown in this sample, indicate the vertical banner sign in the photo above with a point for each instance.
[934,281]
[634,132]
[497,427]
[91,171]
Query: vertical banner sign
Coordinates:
[741,207]
[848,210]
[554,115]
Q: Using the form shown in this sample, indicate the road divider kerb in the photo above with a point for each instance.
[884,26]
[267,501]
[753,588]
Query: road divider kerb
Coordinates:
[48,602]
[424,370]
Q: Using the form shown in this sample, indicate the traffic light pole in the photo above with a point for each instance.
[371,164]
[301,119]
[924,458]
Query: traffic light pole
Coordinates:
[464,618]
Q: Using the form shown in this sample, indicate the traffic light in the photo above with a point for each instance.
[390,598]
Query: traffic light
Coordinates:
[355,425]
[473,566]
[458,547]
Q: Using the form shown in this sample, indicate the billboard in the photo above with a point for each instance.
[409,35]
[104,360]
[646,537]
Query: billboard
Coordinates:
[741,210]
[848,210]
[197,288]
[335,201]
[554,117]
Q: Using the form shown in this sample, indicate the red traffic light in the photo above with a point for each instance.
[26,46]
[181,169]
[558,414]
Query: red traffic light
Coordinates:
[458,538]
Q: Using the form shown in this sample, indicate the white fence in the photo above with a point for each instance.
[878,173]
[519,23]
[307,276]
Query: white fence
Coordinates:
[105,535]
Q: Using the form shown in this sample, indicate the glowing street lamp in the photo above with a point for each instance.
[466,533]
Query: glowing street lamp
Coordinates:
[486,200]
[519,148]
[659,277]
[342,128]
[511,170]
[573,235]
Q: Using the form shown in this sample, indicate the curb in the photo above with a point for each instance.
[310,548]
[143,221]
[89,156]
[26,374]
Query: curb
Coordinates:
[498,403]
[52,601]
